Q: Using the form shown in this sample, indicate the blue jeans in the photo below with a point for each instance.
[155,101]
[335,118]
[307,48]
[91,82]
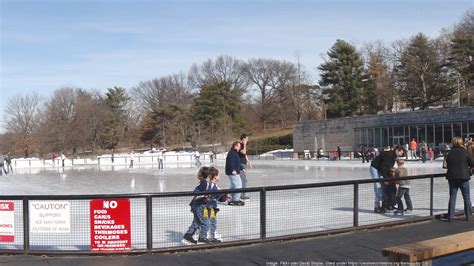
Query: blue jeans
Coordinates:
[404,192]
[375,174]
[463,185]
[235,183]
[212,222]
[160,163]
[199,221]
[243,177]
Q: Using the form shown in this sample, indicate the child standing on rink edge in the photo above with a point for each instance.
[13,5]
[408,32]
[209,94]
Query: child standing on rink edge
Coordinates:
[403,189]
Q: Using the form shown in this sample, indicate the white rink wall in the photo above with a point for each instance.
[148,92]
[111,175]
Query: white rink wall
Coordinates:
[119,159]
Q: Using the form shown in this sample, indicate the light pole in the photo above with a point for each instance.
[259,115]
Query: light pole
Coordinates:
[459,96]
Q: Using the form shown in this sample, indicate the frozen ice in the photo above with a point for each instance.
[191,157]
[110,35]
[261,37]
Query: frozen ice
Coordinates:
[147,178]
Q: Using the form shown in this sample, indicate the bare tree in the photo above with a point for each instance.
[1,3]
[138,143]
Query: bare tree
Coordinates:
[270,78]
[88,112]
[158,93]
[21,120]
[59,114]
[382,84]
[301,95]
[223,69]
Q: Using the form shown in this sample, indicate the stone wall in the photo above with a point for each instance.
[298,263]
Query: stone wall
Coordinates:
[331,133]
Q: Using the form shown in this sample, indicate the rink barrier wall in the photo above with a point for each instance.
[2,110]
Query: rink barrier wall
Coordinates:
[107,160]
[264,207]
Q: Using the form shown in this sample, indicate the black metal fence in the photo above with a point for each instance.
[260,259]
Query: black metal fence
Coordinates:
[157,222]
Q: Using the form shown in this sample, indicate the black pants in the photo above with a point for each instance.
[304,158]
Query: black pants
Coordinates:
[389,195]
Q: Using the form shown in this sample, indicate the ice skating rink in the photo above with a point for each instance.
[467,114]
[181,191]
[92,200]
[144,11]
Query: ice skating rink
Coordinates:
[286,212]
[146,178]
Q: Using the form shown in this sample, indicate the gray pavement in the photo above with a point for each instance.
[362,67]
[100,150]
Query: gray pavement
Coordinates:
[358,246]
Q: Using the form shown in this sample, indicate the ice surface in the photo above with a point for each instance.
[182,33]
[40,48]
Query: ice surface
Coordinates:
[146,178]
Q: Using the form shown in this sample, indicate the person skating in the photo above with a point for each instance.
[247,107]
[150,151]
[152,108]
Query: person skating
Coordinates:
[160,159]
[63,159]
[232,170]
[2,161]
[198,204]
[380,168]
[211,206]
[244,162]
[8,164]
[132,158]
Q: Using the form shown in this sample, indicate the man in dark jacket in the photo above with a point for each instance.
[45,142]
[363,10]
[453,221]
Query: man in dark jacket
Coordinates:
[380,167]
[458,162]
[232,170]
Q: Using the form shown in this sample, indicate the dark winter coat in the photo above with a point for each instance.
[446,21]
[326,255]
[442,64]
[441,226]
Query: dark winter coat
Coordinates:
[384,162]
[232,162]
[459,162]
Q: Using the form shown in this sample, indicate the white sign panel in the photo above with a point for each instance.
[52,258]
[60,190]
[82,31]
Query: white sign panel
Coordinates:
[7,221]
[52,216]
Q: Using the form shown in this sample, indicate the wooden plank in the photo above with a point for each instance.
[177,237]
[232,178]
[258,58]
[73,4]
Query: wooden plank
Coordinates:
[428,249]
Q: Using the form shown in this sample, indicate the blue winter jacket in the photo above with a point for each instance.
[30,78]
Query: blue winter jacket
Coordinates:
[201,199]
[232,162]
[214,197]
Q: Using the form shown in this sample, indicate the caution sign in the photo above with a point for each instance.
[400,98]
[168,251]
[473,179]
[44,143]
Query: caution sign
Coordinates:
[110,225]
[7,222]
[50,216]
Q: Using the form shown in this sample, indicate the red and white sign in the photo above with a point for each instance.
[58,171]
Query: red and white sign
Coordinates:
[110,225]
[7,222]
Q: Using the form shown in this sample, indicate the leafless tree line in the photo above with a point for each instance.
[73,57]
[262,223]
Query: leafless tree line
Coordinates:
[255,95]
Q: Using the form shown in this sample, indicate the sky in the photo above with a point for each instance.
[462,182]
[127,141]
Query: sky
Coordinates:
[49,44]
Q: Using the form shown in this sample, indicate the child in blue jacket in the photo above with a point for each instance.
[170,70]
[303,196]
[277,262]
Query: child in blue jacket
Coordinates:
[210,213]
[198,204]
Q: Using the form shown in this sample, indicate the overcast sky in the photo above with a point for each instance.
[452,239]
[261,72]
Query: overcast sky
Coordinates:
[46,45]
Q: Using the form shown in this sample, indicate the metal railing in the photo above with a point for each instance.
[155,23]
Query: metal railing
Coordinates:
[158,221]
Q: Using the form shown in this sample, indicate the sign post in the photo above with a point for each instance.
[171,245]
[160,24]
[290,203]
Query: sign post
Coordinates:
[110,225]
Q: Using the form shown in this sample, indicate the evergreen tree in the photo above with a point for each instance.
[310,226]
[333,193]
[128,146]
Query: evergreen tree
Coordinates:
[215,101]
[422,77]
[462,55]
[342,80]
[115,117]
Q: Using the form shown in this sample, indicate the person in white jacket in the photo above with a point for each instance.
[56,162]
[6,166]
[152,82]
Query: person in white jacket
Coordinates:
[132,157]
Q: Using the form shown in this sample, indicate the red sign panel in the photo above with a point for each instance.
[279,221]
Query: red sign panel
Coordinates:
[7,221]
[110,225]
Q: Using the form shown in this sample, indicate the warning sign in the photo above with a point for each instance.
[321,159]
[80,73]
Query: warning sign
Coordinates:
[7,222]
[50,216]
[110,225]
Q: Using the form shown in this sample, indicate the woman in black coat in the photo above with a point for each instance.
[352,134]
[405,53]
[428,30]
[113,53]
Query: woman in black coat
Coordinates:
[459,161]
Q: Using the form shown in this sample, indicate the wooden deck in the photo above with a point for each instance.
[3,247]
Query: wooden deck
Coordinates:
[429,249]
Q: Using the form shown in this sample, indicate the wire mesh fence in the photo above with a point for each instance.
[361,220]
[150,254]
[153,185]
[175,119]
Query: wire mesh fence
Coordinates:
[85,224]
[305,210]
[12,217]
